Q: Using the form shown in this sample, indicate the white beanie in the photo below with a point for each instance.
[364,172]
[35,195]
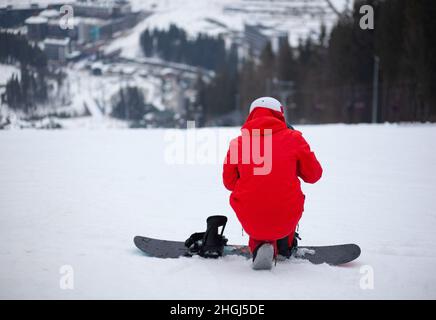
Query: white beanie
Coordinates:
[267,102]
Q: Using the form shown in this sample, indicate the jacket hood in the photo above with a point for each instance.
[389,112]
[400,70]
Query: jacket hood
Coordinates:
[263,118]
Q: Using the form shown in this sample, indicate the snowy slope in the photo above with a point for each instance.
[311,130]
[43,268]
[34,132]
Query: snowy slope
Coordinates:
[216,17]
[78,197]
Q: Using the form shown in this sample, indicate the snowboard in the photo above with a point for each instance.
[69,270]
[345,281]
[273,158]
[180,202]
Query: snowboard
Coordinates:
[332,255]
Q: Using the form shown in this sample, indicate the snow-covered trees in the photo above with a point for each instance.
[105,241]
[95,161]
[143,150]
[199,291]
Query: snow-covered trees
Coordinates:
[174,45]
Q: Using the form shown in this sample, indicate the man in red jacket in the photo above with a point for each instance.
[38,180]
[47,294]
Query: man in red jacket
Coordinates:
[262,169]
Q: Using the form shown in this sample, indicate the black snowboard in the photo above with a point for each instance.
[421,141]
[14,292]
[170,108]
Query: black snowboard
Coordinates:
[332,255]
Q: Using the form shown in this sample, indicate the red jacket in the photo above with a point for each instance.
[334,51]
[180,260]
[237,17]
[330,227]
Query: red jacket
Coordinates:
[269,205]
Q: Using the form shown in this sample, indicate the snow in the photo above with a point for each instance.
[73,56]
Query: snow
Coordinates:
[36,20]
[56,42]
[49,13]
[97,91]
[78,197]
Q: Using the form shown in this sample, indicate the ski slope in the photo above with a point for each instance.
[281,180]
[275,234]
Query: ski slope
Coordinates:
[77,197]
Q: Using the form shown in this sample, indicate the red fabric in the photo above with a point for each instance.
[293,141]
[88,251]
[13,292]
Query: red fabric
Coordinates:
[253,243]
[269,206]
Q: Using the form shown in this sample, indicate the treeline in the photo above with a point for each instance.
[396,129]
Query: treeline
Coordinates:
[221,95]
[24,92]
[129,104]
[204,51]
[333,75]
[405,41]
[16,48]
[337,79]
[174,45]
[13,18]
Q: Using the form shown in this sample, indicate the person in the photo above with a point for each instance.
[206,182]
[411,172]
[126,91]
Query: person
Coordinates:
[262,169]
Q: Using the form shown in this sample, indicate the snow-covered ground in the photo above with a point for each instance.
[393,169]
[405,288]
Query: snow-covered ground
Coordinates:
[78,197]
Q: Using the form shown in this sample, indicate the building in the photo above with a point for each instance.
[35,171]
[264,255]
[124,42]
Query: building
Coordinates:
[55,31]
[102,9]
[57,49]
[94,22]
[47,25]
[96,29]
[36,27]
[93,29]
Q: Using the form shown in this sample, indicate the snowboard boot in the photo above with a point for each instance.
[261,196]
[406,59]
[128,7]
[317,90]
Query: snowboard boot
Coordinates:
[283,250]
[263,257]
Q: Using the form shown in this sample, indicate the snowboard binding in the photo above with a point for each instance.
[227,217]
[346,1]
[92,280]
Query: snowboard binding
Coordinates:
[209,244]
[286,251]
